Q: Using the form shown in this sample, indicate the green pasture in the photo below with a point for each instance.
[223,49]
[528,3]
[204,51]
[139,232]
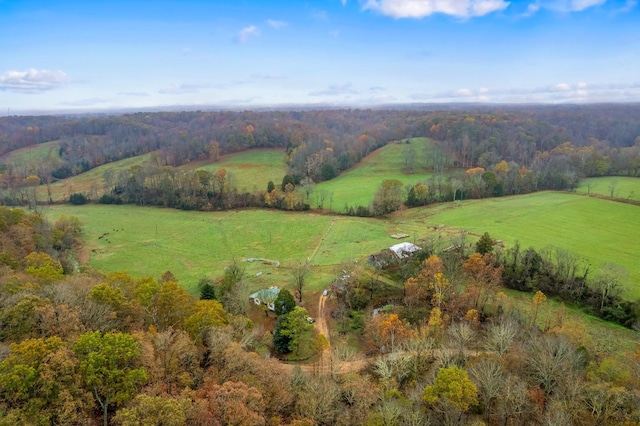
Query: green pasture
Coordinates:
[149,241]
[88,181]
[622,187]
[42,153]
[601,231]
[359,185]
[249,170]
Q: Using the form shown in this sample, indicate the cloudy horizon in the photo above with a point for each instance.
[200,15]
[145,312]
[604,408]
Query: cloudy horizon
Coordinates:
[66,55]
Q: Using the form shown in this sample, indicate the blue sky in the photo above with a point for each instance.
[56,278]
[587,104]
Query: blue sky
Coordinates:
[67,55]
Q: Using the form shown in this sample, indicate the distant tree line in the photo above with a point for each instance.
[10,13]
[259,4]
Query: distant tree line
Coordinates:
[505,151]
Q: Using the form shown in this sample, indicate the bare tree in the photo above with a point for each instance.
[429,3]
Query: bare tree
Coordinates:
[500,336]
[489,375]
[608,282]
[299,273]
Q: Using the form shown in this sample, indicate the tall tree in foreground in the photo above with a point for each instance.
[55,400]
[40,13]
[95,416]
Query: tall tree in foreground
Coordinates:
[284,302]
[292,331]
[108,366]
[452,393]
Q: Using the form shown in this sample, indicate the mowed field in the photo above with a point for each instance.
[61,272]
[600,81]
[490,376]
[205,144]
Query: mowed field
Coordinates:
[47,151]
[149,241]
[358,185]
[623,187]
[92,179]
[601,231]
[250,170]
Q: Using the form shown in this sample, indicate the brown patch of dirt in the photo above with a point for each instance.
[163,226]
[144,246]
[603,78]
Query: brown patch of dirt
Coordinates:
[83,255]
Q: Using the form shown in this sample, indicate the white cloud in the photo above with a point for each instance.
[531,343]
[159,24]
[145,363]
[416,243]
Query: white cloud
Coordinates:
[133,94]
[181,89]
[560,87]
[462,93]
[85,102]
[334,33]
[32,80]
[335,89]
[276,24]
[580,92]
[423,8]
[564,6]
[247,32]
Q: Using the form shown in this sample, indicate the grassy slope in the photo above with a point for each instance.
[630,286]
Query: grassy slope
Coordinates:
[149,241]
[43,152]
[195,244]
[61,190]
[599,230]
[625,187]
[249,170]
[358,185]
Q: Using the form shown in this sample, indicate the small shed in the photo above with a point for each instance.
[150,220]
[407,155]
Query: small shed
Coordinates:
[266,296]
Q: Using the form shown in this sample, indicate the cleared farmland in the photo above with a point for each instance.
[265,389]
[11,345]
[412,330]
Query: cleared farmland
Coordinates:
[249,170]
[599,230]
[44,152]
[91,180]
[358,185]
[150,241]
[612,186]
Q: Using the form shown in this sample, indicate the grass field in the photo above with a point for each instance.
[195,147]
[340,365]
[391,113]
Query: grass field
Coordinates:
[44,152]
[249,170]
[149,241]
[358,185]
[599,230]
[83,182]
[623,187]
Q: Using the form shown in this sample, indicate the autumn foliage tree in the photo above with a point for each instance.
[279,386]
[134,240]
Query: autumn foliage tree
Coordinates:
[232,403]
[385,332]
[418,288]
[484,278]
[451,388]
[109,364]
[388,197]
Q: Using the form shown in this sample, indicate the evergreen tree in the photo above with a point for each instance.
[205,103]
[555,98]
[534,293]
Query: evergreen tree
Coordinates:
[284,303]
[484,244]
[207,291]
